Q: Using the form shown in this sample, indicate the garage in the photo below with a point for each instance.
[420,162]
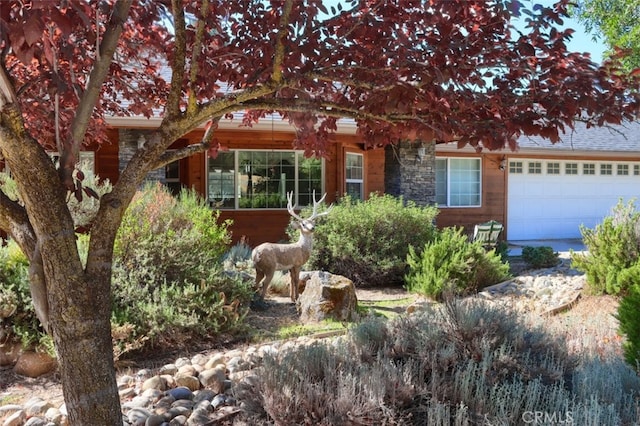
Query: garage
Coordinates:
[550,199]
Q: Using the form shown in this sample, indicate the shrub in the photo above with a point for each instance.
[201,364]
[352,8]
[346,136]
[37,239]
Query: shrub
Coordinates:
[613,246]
[464,362]
[367,241]
[18,319]
[539,257]
[83,211]
[451,263]
[168,282]
[628,314]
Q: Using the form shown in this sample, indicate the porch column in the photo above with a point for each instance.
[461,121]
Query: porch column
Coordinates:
[410,171]
[128,145]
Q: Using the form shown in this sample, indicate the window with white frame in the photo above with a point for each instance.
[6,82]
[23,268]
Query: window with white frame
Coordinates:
[515,167]
[606,169]
[623,169]
[553,168]
[588,169]
[458,182]
[261,179]
[354,175]
[535,168]
[571,168]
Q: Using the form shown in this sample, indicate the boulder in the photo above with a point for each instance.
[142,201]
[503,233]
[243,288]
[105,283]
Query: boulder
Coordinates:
[328,296]
[34,364]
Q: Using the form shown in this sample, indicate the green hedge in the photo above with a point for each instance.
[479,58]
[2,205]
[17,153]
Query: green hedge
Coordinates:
[368,241]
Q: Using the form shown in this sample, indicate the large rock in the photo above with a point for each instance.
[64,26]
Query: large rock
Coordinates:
[34,364]
[328,296]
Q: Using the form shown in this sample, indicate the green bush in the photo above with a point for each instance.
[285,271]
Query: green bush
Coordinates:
[367,241]
[613,246]
[168,282]
[450,263]
[467,362]
[628,314]
[539,257]
[18,320]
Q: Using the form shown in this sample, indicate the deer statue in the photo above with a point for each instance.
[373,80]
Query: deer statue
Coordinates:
[270,257]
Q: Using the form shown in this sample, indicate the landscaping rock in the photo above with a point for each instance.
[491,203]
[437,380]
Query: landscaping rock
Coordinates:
[34,364]
[328,296]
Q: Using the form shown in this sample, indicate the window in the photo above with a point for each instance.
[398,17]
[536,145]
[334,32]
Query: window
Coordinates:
[354,176]
[535,168]
[172,177]
[606,169]
[571,168]
[553,168]
[636,169]
[261,179]
[458,182]
[588,169]
[623,169]
[515,167]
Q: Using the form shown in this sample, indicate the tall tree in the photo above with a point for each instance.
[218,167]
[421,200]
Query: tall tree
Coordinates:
[404,68]
[618,22]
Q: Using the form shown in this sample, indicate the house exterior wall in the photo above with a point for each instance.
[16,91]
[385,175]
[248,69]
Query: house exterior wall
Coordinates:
[493,195]
[255,225]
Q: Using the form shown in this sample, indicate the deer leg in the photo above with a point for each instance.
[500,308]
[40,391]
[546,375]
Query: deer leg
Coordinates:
[294,275]
[266,282]
[259,277]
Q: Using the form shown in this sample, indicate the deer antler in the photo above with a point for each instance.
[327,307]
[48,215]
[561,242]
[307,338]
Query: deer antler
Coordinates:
[315,213]
[290,206]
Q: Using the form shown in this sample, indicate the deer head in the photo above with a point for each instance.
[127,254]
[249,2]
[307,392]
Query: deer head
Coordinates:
[306,226]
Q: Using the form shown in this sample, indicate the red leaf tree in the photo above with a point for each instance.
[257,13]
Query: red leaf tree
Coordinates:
[456,69]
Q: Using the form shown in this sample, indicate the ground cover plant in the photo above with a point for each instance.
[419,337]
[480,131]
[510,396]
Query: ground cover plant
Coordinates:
[539,257]
[367,241]
[461,362]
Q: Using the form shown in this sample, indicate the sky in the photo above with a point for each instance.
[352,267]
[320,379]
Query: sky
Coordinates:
[581,41]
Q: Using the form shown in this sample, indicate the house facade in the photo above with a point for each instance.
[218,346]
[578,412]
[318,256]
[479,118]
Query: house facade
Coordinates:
[540,191]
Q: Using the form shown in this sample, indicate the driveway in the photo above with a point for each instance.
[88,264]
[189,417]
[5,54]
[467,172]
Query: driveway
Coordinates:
[559,245]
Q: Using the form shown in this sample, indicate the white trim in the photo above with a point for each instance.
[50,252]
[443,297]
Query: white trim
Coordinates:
[345,126]
[448,171]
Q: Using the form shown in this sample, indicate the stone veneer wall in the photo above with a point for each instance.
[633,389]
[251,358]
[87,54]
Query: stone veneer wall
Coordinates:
[128,146]
[405,175]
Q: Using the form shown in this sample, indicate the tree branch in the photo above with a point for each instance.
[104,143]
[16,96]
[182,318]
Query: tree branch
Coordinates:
[7,92]
[179,60]
[92,93]
[177,154]
[195,54]
[279,48]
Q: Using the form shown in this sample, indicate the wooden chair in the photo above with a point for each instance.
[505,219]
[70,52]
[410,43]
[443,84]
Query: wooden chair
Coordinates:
[488,233]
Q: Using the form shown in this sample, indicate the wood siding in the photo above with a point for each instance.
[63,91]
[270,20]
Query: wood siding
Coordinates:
[258,226]
[106,157]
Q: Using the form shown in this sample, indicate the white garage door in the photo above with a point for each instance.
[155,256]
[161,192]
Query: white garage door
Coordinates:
[551,199]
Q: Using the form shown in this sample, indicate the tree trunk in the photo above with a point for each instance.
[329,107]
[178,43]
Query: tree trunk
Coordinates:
[80,311]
